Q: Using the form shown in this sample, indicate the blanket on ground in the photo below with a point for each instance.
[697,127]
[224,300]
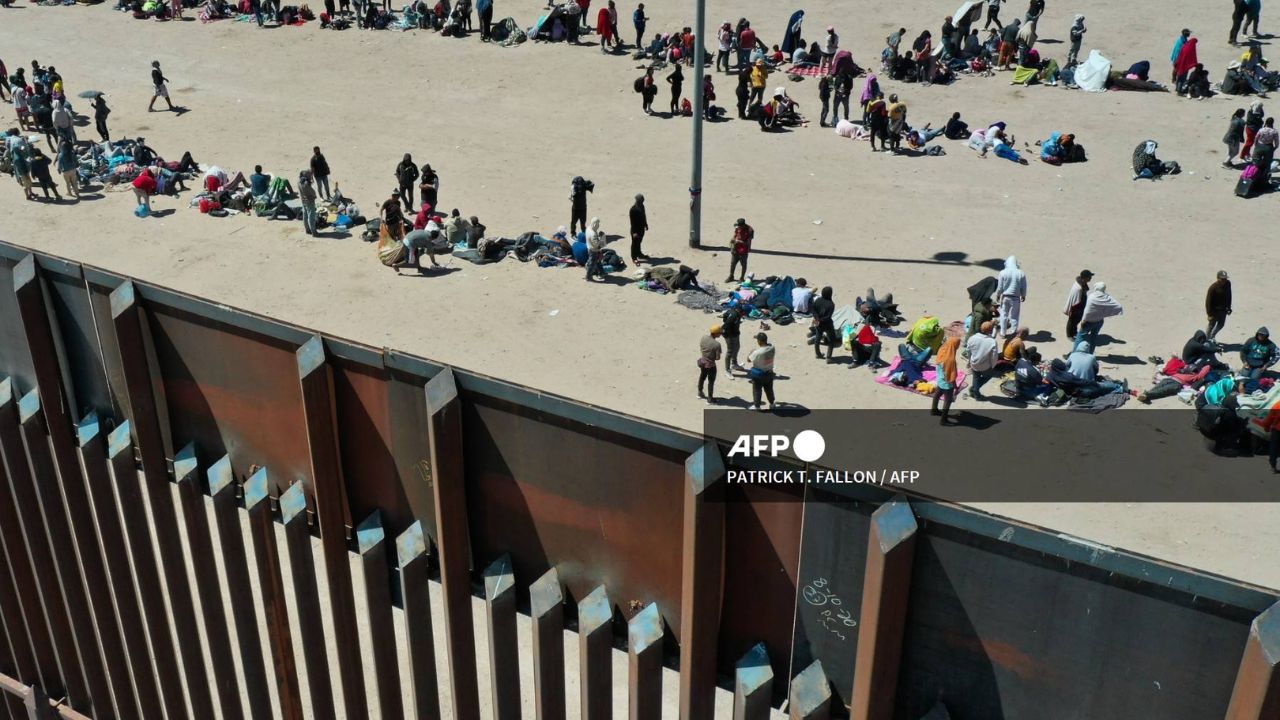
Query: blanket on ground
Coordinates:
[929,376]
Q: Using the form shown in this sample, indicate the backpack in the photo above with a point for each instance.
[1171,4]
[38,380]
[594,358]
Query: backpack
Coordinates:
[639,84]
[781,315]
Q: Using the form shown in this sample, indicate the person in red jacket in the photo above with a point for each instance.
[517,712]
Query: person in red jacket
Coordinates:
[743,234]
[144,186]
[604,26]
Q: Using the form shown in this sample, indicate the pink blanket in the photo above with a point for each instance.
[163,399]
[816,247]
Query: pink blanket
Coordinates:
[930,375]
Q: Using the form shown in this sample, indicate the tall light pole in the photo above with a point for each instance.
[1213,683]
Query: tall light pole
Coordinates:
[695,176]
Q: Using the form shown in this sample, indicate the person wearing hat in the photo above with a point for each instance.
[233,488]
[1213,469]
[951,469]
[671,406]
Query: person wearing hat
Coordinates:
[724,38]
[1258,354]
[761,372]
[709,352]
[1217,304]
[159,87]
[1075,302]
[740,248]
[639,226]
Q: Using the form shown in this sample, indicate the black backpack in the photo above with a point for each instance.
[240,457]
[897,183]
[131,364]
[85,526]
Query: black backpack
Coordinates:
[639,84]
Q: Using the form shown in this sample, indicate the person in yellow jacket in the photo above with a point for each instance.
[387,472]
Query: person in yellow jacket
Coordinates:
[759,79]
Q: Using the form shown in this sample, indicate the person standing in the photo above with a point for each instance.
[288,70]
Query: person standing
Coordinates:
[100,113]
[829,48]
[406,175]
[676,81]
[1077,37]
[1097,308]
[708,360]
[160,88]
[320,172]
[1252,13]
[1075,302]
[731,325]
[68,168]
[743,92]
[1178,50]
[639,226]
[648,90]
[484,9]
[1252,124]
[1239,9]
[578,190]
[429,186]
[843,89]
[1011,289]
[1234,137]
[759,79]
[746,43]
[945,385]
[761,372]
[824,95]
[724,36]
[307,196]
[993,14]
[596,241]
[740,248]
[1217,304]
[824,309]
[640,20]
[604,27]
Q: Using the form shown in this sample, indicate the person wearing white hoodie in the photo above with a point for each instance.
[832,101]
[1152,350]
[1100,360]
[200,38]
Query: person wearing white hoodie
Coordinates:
[1011,290]
[1097,307]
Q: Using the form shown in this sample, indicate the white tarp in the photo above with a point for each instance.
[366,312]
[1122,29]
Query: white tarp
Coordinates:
[1092,74]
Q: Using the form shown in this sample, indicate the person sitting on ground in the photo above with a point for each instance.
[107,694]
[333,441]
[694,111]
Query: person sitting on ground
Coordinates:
[393,216]
[1082,364]
[905,68]
[1258,354]
[865,344]
[1028,379]
[1015,348]
[1198,85]
[956,129]
[456,228]
[1201,351]
[259,182]
[1146,165]
[803,58]
[801,297]
[1003,146]
[767,114]
[983,358]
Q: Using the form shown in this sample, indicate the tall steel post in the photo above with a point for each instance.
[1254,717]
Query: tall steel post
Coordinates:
[695,179]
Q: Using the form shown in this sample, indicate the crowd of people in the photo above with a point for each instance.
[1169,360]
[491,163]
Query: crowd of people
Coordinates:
[988,342]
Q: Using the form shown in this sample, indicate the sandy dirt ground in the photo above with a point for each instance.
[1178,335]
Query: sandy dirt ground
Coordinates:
[508,128]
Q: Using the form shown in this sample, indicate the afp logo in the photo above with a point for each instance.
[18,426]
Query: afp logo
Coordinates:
[808,445]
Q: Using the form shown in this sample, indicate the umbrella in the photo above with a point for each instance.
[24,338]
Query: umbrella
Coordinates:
[91,94]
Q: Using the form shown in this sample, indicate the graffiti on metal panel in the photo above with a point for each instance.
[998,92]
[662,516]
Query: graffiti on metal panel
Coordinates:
[835,618]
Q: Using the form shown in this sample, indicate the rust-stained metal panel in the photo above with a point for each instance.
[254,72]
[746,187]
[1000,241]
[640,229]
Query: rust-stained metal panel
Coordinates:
[367,431]
[554,492]
[1000,632]
[77,333]
[231,392]
[762,563]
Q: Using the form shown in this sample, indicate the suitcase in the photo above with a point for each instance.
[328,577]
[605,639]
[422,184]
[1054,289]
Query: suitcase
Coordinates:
[1248,179]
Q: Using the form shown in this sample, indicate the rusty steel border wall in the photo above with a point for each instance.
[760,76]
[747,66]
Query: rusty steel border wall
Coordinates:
[114,390]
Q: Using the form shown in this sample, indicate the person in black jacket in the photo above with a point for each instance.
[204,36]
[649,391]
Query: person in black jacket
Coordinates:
[1217,304]
[160,88]
[639,226]
[320,172]
[578,190]
[406,175]
[824,308]
[731,327]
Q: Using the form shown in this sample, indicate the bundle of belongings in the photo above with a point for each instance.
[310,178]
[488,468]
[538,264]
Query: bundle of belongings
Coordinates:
[1135,78]
[507,33]
[668,279]
[770,299]
[557,23]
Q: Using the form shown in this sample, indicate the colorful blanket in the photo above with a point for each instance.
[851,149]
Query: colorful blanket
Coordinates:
[930,376]
[810,71]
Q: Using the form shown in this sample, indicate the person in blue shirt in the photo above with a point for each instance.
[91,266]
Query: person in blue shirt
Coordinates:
[580,254]
[640,20]
[259,182]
